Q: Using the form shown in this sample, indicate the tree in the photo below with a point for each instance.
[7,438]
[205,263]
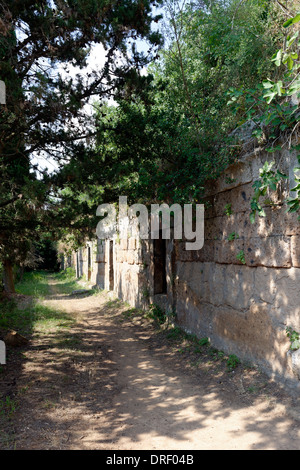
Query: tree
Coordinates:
[274,106]
[168,144]
[45,113]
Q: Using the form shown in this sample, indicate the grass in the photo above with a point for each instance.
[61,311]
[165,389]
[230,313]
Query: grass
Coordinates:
[8,407]
[34,284]
[66,281]
[232,362]
[31,317]
[66,275]
[30,314]
[69,341]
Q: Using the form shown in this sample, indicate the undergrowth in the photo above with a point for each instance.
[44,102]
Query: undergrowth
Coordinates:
[28,314]
[34,283]
[199,350]
[32,316]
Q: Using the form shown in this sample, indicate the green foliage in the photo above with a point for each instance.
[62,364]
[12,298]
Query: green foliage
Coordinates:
[277,117]
[232,236]
[66,275]
[241,256]
[175,333]
[157,314]
[146,293]
[32,317]
[269,179]
[228,210]
[170,133]
[294,338]
[67,282]
[169,144]
[33,283]
[293,203]
[8,406]
[232,362]
[267,104]
[41,43]
[46,250]
[203,341]
[229,180]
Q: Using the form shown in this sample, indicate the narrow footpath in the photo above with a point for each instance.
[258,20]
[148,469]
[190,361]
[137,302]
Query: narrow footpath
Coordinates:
[112,381]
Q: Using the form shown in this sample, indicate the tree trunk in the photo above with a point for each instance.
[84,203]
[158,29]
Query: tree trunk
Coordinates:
[21,274]
[8,277]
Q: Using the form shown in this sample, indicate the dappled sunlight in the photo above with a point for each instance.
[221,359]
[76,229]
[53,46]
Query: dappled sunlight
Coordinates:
[110,381]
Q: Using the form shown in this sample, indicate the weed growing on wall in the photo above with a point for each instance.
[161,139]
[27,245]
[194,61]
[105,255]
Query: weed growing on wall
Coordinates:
[294,337]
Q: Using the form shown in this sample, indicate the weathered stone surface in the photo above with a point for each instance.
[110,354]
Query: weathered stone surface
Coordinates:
[295,250]
[207,253]
[265,289]
[100,258]
[238,287]
[272,251]
[295,362]
[124,243]
[186,255]
[247,332]
[213,228]
[197,278]
[130,256]
[221,201]
[235,175]
[131,243]
[80,292]
[226,227]
[289,222]
[209,207]
[276,222]
[243,309]
[257,162]
[241,198]
[287,298]
[226,251]
[243,133]
[273,224]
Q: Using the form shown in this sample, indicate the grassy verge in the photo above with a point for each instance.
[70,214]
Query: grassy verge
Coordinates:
[29,317]
[66,281]
[198,351]
[34,284]
[28,314]
[199,356]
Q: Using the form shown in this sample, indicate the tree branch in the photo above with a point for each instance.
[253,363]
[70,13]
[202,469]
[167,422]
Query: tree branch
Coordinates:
[10,201]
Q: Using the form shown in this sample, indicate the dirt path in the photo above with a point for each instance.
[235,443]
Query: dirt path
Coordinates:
[112,383]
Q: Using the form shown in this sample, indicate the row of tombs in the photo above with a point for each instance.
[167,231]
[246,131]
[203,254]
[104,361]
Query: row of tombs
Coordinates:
[243,304]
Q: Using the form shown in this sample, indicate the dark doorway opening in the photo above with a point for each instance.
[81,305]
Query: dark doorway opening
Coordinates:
[111,266]
[89,263]
[160,271]
[77,265]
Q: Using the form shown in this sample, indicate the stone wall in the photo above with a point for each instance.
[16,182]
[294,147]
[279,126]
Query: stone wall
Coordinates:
[242,306]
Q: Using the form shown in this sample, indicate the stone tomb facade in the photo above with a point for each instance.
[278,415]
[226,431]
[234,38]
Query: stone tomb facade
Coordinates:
[241,290]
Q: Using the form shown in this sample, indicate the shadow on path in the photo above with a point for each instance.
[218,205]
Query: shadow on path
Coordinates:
[109,383]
